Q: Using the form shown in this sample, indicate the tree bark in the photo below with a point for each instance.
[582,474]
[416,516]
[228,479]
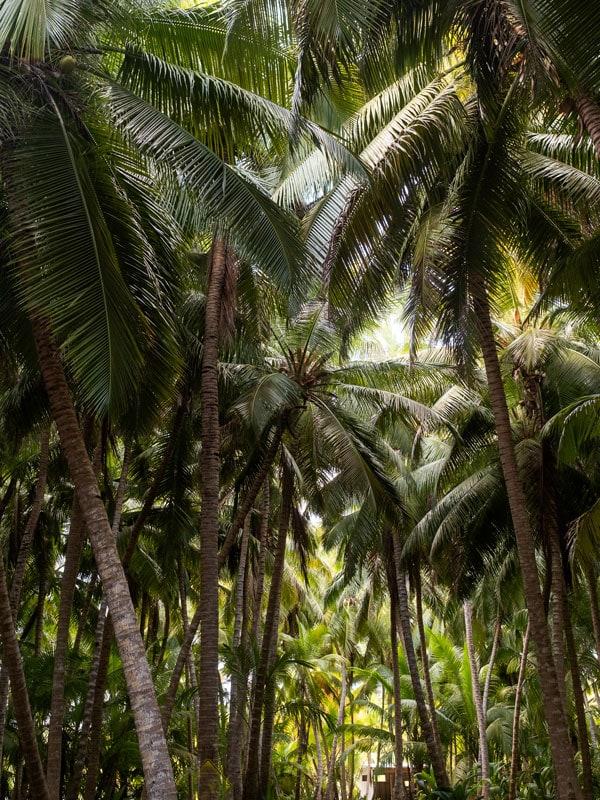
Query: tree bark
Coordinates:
[330,790]
[158,771]
[562,754]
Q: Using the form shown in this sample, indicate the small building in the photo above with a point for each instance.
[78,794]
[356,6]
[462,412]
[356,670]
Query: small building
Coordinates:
[377,783]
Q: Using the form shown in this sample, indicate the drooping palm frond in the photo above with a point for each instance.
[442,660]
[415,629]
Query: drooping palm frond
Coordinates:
[62,247]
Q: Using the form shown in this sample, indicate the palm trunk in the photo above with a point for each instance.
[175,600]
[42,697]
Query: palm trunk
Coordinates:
[257,770]
[425,660]
[259,581]
[14,666]
[330,792]
[514,753]
[238,677]
[209,529]
[153,748]
[94,750]
[589,113]
[584,745]
[435,754]
[562,754]
[484,763]
[398,792]
[101,646]
[70,571]
[24,549]
[592,579]
[490,669]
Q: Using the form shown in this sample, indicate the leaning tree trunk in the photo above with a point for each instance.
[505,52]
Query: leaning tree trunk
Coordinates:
[484,763]
[589,113]
[562,753]
[158,772]
[435,754]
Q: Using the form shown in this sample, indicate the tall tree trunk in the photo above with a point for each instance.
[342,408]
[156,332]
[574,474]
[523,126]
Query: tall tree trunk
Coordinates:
[14,667]
[592,582]
[238,677]
[490,669]
[330,788]
[425,659]
[562,753]
[398,792]
[435,755]
[259,581]
[24,549]
[158,771]
[257,770]
[70,571]
[514,752]
[484,764]
[582,734]
[209,527]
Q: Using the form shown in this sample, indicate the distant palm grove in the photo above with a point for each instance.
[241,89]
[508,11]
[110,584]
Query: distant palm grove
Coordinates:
[299,399]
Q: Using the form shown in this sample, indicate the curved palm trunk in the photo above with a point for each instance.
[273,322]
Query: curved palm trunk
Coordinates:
[514,753]
[484,763]
[158,772]
[562,753]
[437,759]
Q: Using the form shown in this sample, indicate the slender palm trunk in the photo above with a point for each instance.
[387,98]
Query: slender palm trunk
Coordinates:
[582,734]
[209,529]
[153,748]
[490,669]
[238,678]
[562,754]
[398,791]
[437,759]
[24,549]
[514,753]
[484,764]
[592,582]
[330,788]
[258,768]
[69,578]
[425,659]
[11,656]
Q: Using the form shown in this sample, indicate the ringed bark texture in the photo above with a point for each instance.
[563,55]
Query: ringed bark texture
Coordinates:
[562,754]
[158,772]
